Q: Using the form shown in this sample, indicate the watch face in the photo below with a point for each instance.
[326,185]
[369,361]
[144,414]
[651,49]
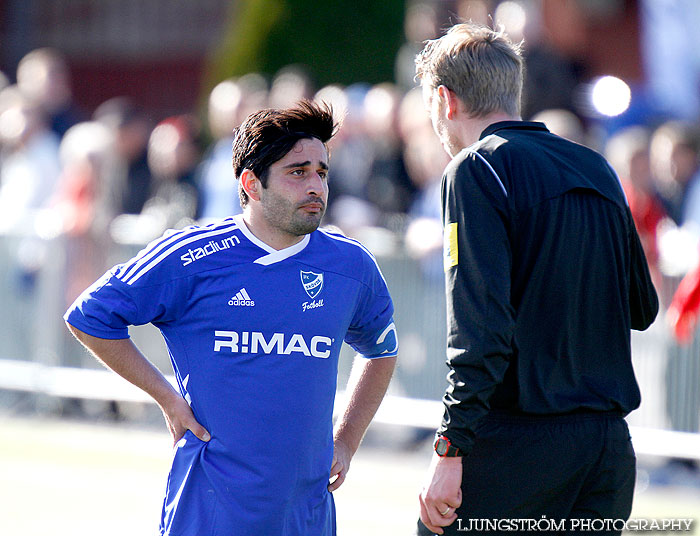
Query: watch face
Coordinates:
[441,446]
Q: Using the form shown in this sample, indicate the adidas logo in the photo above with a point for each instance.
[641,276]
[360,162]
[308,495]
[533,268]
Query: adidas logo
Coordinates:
[242,299]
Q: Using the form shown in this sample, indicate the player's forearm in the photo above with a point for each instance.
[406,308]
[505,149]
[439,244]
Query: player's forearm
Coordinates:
[368,383]
[123,357]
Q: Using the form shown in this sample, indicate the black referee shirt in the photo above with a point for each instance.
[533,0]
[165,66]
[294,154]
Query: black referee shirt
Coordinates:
[545,277]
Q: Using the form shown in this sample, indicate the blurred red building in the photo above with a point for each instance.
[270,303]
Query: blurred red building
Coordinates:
[152,50]
[156,50]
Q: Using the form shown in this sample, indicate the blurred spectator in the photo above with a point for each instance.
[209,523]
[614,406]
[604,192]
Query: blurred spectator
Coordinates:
[674,152]
[413,119]
[30,163]
[562,123]
[683,372]
[425,161]
[172,157]
[675,165]
[43,76]
[290,85]
[389,186]
[84,203]
[628,153]
[420,24]
[4,82]
[217,184]
[473,10]
[230,102]
[10,95]
[130,175]
[335,96]
[255,95]
[682,314]
[550,77]
[351,159]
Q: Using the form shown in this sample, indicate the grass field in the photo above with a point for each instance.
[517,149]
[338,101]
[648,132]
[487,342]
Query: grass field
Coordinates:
[63,478]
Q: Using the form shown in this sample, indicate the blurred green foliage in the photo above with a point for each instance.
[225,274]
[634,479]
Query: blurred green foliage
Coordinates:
[339,41]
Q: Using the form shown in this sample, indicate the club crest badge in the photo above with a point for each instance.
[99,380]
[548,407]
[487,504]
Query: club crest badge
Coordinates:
[312,282]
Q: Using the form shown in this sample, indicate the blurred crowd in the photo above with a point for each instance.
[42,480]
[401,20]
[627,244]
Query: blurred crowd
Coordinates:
[119,175]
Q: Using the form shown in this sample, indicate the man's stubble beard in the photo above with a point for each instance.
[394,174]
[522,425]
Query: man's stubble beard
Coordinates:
[298,222]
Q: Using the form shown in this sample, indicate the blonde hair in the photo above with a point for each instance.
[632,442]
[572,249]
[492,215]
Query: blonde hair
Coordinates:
[482,66]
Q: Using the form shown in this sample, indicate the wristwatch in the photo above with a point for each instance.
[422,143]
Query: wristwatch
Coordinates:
[445,449]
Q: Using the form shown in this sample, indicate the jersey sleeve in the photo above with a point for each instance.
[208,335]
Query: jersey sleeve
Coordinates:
[480,322]
[108,307]
[372,332]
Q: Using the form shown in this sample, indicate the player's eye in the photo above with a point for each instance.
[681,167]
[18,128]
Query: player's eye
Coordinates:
[323,174]
[297,172]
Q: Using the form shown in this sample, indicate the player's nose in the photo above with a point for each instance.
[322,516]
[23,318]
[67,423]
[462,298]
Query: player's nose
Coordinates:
[315,185]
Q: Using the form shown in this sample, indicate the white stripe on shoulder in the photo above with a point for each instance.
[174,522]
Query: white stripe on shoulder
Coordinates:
[166,240]
[150,257]
[500,182]
[347,240]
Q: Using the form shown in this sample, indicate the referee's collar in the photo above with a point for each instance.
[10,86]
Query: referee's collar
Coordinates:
[513,125]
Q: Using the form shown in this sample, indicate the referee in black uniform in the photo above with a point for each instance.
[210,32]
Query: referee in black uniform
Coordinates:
[545,277]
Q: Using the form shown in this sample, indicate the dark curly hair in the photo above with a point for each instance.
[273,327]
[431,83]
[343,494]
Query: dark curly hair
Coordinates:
[267,135]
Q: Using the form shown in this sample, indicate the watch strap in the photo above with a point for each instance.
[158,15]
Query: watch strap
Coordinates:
[445,449]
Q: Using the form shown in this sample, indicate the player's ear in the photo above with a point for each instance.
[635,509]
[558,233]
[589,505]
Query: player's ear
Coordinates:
[250,184]
[449,100]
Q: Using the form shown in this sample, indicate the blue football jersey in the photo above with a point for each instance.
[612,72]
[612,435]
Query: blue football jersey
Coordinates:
[254,336]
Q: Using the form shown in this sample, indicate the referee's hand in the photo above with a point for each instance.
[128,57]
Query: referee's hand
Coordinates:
[442,495]
[179,418]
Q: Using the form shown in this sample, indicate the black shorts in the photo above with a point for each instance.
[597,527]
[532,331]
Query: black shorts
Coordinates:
[565,467]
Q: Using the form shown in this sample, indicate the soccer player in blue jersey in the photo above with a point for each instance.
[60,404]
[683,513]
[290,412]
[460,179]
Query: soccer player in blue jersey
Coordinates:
[254,311]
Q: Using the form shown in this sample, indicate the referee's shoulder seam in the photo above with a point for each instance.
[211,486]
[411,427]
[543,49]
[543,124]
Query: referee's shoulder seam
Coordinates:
[493,171]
